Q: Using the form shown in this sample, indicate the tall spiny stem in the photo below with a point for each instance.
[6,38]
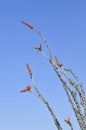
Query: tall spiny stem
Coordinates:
[77,92]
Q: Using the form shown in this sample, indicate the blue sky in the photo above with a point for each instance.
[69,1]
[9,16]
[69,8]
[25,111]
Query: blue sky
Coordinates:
[63,24]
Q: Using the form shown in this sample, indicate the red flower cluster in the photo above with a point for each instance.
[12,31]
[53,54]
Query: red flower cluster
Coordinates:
[57,62]
[68,121]
[39,48]
[27,88]
[27,24]
[29,70]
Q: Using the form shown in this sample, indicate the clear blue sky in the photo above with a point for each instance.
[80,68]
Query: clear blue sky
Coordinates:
[63,22]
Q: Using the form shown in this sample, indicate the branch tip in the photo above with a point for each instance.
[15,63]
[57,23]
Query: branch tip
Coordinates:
[27,24]
[29,70]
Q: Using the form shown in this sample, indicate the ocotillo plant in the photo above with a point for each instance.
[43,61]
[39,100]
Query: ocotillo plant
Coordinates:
[70,82]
